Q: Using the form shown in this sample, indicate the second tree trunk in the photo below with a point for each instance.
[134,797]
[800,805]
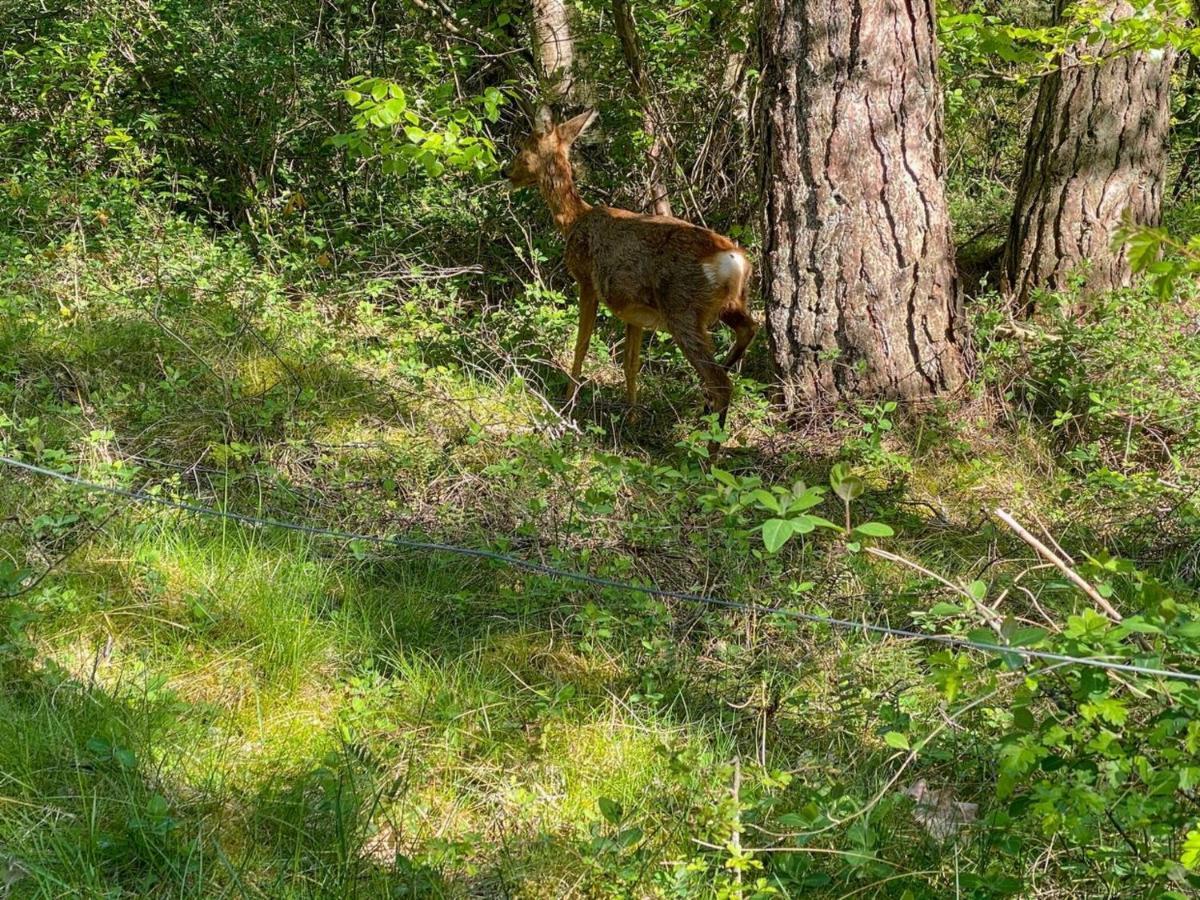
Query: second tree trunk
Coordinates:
[1095,158]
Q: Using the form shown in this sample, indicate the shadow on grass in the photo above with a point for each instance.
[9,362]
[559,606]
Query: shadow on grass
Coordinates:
[181,392]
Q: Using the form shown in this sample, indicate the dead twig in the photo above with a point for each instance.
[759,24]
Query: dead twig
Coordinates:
[1050,556]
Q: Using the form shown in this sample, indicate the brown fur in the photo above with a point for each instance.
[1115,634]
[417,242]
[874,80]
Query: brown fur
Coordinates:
[653,272]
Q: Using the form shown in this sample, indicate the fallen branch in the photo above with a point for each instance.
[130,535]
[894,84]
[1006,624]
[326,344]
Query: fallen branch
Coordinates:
[989,613]
[1050,556]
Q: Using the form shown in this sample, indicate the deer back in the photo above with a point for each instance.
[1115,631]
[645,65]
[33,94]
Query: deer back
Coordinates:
[680,270]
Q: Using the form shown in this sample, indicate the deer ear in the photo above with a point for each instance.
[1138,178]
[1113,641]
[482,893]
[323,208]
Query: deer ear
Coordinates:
[543,120]
[569,130]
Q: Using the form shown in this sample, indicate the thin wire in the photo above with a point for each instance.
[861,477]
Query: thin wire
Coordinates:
[599,581]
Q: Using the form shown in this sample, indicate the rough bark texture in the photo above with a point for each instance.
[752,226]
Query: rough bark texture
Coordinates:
[1096,153]
[660,202]
[554,49]
[859,277]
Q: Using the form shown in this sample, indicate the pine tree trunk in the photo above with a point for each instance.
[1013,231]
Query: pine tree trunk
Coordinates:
[862,294]
[1096,154]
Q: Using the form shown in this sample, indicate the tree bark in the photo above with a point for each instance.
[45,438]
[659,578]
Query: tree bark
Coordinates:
[862,294]
[554,50]
[660,201]
[1095,157]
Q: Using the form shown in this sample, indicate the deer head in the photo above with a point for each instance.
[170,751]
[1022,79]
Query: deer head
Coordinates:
[546,152]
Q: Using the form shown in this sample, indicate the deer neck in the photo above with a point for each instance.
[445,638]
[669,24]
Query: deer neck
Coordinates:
[558,189]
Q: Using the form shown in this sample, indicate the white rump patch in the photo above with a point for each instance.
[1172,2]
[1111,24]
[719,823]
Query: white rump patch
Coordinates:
[727,267]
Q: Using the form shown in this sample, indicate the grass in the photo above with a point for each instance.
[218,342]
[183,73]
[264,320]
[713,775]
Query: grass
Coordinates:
[201,709]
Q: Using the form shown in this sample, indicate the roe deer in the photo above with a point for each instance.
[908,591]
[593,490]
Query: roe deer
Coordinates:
[653,272]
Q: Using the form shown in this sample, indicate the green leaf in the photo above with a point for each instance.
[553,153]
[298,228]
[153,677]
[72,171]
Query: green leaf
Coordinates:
[897,740]
[1138,625]
[776,533]
[802,525]
[1027,636]
[838,474]
[807,499]
[611,810]
[1023,719]
[629,837]
[1191,851]
[1144,244]
[945,609]
[767,499]
[844,484]
[1187,629]
[726,478]
[1110,709]
[875,529]
[822,522]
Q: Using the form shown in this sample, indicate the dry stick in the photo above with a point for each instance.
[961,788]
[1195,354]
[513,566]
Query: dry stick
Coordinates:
[1051,557]
[990,614]
[1057,546]
[735,837]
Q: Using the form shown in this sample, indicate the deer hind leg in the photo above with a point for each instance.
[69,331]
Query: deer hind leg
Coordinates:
[633,359]
[735,314]
[744,328]
[696,345]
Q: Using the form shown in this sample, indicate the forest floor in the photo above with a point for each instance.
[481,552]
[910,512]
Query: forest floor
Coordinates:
[201,708]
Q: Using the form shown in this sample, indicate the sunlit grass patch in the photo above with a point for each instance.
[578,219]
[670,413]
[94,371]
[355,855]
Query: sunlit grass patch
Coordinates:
[181,587]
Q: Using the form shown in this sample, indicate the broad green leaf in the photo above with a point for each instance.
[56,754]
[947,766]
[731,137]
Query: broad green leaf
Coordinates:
[726,478]
[1027,636]
[848,487]
[776,533]
[803,524]
[766,498]
[874,529]
[807,499]
[611,810]
[897,740]
[945,609]
[1191,851]
[821,522]
[629,837]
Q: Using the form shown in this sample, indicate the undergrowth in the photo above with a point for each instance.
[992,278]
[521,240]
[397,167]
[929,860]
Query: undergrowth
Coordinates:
[202,708]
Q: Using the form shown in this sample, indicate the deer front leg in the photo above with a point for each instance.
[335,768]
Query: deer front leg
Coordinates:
[587,323]
[633,360]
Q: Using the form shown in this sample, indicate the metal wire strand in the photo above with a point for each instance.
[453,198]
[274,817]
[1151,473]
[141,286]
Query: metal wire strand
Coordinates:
[517,562]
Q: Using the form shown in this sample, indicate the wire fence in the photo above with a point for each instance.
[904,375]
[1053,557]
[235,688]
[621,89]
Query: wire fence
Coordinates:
[516,562]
